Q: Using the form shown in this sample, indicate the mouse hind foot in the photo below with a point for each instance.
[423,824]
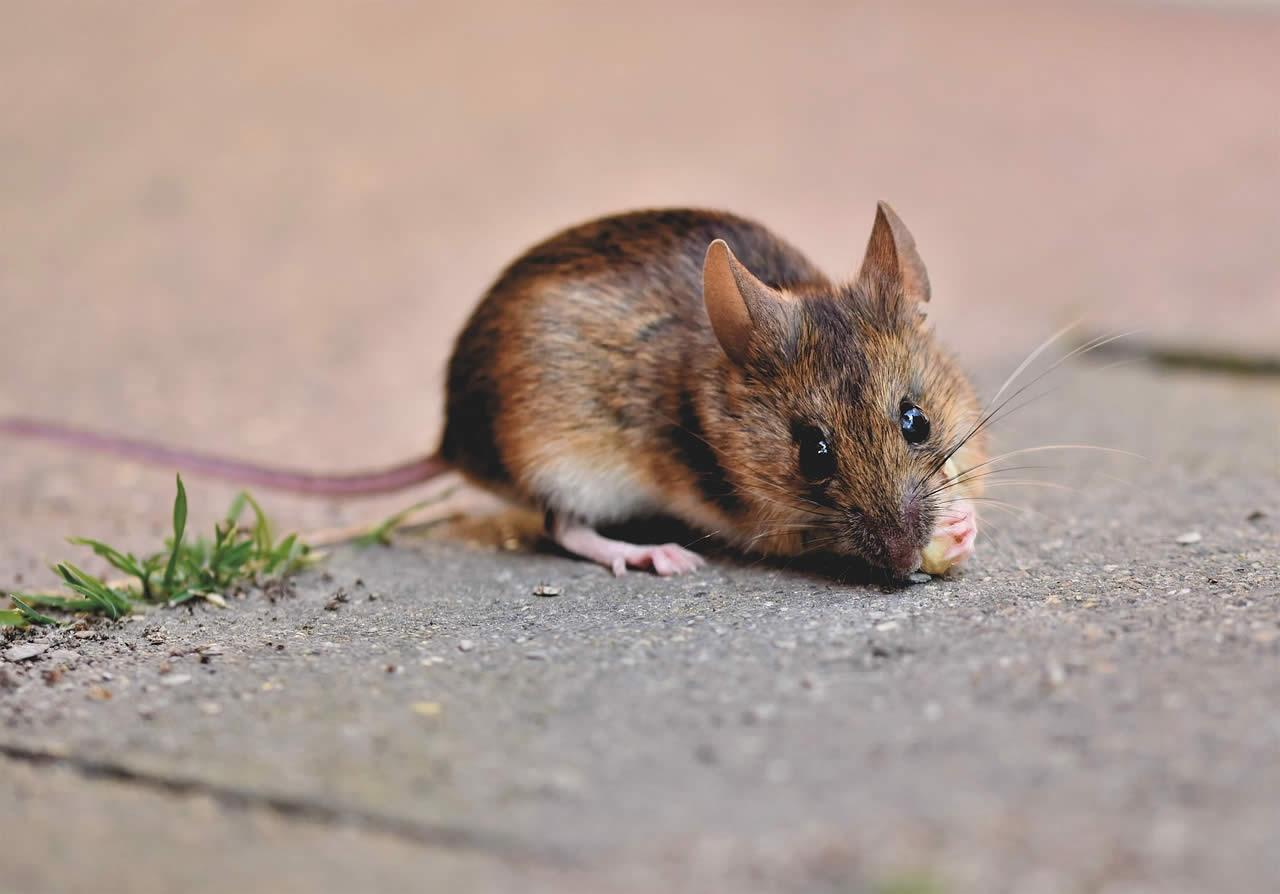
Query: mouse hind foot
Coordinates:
[617,555]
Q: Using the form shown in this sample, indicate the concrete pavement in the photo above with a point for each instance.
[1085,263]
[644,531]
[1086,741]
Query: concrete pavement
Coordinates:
[254,229]
[1089,707]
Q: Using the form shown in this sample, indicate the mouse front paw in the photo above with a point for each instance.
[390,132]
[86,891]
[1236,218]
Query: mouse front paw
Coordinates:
[953,538]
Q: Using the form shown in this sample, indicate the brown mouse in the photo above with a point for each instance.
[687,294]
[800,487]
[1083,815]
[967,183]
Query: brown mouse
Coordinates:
[691,364]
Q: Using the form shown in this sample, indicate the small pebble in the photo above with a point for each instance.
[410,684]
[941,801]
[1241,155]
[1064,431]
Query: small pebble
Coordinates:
[23,651]
[547,590]
[919,577]
[466,645]
[1189,538]
[1054,674]
[761,713]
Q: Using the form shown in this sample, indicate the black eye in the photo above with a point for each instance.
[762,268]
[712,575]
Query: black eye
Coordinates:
[915,425]
[817,459]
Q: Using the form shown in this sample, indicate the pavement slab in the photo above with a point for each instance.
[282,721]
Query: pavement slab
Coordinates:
[1088,705]
[254,227]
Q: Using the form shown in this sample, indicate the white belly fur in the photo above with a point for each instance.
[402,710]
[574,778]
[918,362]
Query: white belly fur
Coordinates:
[597,491]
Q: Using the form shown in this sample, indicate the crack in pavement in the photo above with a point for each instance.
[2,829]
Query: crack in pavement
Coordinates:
[308,810]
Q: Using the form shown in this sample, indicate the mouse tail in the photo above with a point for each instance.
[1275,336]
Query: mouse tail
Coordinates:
[356,484]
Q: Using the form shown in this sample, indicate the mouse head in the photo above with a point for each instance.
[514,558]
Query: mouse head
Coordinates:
[851,425]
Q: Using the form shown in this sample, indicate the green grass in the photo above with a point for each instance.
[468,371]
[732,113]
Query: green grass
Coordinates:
[380,534]
[239,553]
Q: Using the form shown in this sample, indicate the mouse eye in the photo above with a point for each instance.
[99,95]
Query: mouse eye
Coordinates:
[915,425]
[817,459]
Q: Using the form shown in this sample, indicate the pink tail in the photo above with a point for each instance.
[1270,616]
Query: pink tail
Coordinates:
[249,474]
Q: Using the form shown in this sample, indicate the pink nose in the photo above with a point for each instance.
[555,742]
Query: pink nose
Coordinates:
[903,554]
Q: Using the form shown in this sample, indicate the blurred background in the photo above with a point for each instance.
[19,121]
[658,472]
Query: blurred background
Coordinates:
[254,227]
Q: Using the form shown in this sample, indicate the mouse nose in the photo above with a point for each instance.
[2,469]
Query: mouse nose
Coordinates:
[901,541]
[903,553]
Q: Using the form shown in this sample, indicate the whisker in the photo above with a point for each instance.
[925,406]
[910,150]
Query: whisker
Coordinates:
[795,508]
[995,534]
[1030,358]
[763,535]
[968,478]
[965,475]
[991,414]
[1021,512]
[1032,482]
[695,541]
[1042,447]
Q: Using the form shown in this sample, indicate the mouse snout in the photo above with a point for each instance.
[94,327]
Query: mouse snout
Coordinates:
[902,552]
[901,541]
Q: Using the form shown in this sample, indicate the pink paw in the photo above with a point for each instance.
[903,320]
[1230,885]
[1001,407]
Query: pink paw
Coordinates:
[957,530]
[666,560]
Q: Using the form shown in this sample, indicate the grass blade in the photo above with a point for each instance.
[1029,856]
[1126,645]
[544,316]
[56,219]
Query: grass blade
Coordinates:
[381,534]
[62,603]
[179,527]
[11,617]
[182,571]
[31,615]
[128,564]
[107,600]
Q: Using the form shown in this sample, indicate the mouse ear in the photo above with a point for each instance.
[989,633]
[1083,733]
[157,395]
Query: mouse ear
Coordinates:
[892,256]
[736,301]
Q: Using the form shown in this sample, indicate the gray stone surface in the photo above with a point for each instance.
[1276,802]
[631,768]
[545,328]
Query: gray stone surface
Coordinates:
[1089,706]
[253,227]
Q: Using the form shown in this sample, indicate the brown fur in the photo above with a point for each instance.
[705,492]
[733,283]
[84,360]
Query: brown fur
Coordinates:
[590,382]
[595,350]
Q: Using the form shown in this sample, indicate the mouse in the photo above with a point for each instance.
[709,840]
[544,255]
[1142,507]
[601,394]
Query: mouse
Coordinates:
[693,365]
